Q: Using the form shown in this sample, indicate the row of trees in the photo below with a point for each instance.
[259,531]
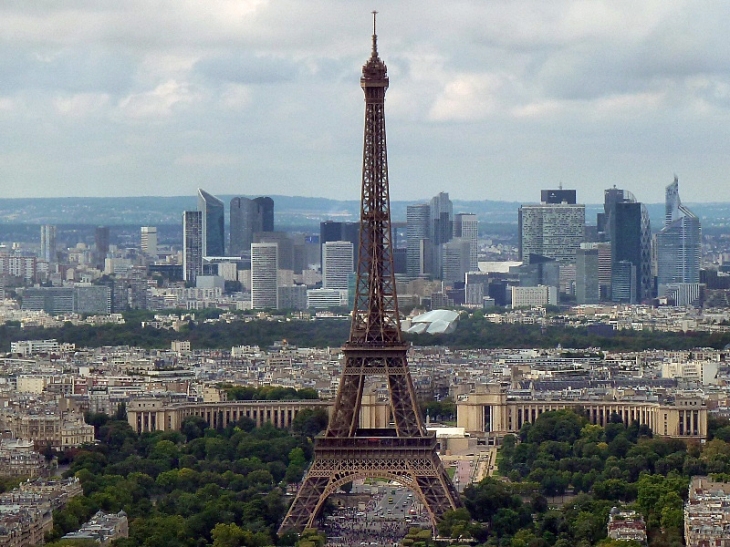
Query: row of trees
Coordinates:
[473,332]
[268,393]
[592,469]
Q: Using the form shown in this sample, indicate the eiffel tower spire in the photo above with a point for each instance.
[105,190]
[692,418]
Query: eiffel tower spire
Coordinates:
[404,451]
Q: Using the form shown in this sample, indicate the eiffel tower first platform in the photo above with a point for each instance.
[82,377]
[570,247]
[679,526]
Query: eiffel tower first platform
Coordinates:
[406,452]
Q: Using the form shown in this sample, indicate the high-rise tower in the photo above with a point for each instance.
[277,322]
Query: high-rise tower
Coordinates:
[404,452]
[466,225]
[249,216]
[418,243]
[101,243]
[264,275]
[628,229]
[213,224]
[192,245]
[678,243]
[337,264]
[48,243]
[148,240]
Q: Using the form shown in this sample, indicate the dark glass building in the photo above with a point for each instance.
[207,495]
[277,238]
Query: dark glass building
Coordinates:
[213,221]
[628,229]
[249,216]
[558,196]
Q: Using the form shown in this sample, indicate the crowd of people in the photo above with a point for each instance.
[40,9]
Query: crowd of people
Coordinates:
[354,532]
[358,527]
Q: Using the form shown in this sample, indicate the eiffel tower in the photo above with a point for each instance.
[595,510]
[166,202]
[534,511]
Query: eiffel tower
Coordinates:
[405,452]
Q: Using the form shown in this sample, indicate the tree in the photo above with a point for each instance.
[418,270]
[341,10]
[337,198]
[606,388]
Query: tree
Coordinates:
[194,427]
[309,422]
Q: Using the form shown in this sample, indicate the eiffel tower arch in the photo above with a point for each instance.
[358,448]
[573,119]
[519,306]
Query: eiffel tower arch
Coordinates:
[403,451]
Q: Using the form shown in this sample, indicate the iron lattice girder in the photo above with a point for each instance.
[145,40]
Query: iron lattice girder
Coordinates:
[406,453]
[410,461]
[375,313]
[390,362]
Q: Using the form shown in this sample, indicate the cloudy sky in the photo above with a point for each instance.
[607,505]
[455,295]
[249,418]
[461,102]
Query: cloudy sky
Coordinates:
[488,99]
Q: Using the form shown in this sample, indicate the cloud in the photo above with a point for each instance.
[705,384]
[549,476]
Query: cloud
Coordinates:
[487,99]
[81,104]
[159,102]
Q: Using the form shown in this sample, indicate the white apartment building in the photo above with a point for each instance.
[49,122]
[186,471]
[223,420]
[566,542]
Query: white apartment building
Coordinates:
[326,298]
[148,240]
[337,264]
[704,372]
[264,275]
[527,297]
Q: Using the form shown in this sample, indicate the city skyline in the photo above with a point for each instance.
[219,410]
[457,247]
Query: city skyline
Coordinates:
[499,100]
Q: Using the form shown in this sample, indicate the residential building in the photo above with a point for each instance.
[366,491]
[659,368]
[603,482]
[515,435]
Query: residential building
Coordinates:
[18,458]
[102,528]
[626,525]
[707,513]
[22,267]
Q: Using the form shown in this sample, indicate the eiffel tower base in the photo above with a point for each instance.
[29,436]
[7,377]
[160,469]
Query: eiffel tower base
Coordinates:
[412,462]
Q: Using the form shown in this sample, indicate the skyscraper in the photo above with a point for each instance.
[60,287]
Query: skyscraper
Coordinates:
[418,243]
[249,216]
[101,242]
[213,213]
[553,230]
[455,259]
[148,240]
[264,275]
[48,243]
[678,242]
[192,245]
[628,229]
[337,264]
[466,226]
[331,230]
[265,207]
[586,274]
[442,228]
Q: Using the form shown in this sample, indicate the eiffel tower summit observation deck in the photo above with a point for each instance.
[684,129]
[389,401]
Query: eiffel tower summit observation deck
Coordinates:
[404,452]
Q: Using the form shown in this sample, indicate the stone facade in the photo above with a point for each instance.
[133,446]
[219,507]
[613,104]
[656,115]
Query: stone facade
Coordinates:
[489,411]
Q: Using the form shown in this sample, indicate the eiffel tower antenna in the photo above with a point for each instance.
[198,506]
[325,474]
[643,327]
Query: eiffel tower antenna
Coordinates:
[402,451]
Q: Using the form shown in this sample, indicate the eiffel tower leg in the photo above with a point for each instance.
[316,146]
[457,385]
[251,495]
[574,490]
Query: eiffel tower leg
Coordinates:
[302,512]
[403,401]
[438,491]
